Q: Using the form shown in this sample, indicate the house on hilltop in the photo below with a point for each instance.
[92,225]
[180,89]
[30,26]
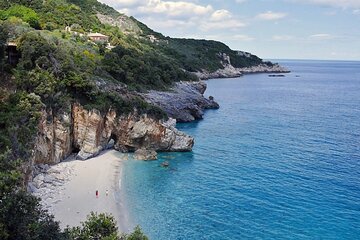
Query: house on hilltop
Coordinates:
[98,37]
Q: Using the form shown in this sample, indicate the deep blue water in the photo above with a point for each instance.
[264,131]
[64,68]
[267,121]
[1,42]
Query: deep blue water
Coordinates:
[279,160]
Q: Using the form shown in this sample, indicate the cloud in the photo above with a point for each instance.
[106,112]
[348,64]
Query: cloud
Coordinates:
[189,15]
[169,24]
[356,12]
[321,36]
[240,1]
[334,3]
[220,15]
[174,8]
[269,15]
[126,11]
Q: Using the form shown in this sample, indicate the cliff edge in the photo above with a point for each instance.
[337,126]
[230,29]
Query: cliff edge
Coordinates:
[87,133]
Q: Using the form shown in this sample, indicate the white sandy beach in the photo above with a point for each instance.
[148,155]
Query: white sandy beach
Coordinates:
[73,196]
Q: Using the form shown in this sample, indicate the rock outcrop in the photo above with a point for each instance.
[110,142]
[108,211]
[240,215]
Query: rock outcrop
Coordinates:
[87,133]
[126,24]
[185,102]
[263,68]
[229,71]
[145,154]
[54,140]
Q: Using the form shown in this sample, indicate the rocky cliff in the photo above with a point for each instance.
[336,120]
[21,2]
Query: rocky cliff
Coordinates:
[87,133]
[185,102]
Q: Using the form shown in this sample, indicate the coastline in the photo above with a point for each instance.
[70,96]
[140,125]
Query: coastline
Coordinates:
[67,189]
[231,72]
[73,196]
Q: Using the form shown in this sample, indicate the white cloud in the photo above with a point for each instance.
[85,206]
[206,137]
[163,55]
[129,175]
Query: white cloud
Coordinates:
[219,15]
[169,24]
[321,36]
[126,11]
[269,15]
[174,8]
[183,15]
[240,1]
[335,3]
[356,12]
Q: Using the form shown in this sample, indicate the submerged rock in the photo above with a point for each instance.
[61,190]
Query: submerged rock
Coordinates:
[146,155]
[165,164]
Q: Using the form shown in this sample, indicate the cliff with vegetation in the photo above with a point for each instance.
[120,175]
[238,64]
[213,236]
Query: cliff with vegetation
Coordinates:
[62,93]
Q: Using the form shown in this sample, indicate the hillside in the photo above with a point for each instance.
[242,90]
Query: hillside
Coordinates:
[62,92]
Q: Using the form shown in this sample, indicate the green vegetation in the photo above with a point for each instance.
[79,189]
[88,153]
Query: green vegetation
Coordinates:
[58,68]
[102,226]
[3,38]
[26,14]
[156,70]
[197,55]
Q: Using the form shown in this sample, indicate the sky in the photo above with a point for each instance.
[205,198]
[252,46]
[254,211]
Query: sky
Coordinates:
[271,29]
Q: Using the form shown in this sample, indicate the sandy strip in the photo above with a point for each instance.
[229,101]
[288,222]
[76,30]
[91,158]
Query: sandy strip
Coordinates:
[73,197]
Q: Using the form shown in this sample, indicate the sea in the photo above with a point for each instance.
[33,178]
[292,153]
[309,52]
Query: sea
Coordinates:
[280,159]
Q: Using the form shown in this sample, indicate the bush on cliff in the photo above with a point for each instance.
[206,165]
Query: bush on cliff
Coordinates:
[102,226]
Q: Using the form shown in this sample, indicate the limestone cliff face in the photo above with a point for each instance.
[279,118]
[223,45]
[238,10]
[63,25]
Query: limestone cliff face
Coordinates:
[89,132]
[54,140]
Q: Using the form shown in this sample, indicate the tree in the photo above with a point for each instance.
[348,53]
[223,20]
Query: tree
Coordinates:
[97,226]
[32,46]
[21,216]
[26,14]
[137,234]
[3,39]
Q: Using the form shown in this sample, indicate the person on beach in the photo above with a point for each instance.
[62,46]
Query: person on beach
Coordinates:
[107,192]
[97,193]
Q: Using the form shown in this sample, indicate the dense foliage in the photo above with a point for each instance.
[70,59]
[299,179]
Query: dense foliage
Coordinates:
[26,14]
[58,68]
[197,55]
[3,39]
[138,69]
[102,226]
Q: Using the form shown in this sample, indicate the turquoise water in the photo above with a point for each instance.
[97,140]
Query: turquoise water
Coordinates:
[279,160]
